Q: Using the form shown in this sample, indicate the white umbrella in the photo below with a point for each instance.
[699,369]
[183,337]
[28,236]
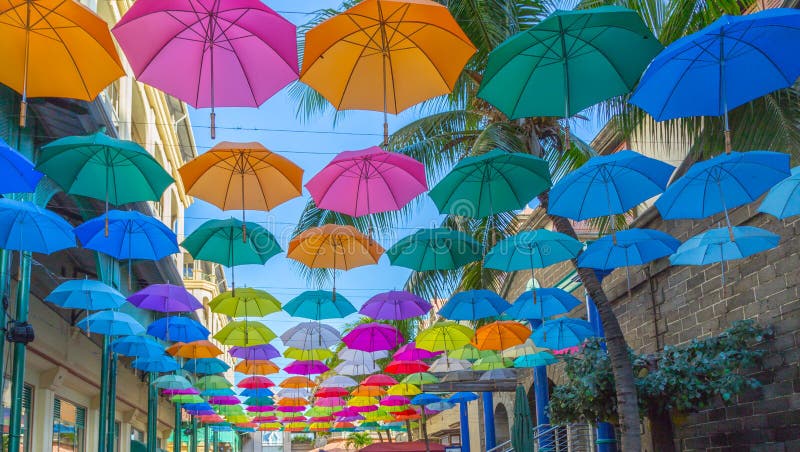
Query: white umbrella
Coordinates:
[360,356]
[447,364]
[354,368]
[311,335]
[338,381]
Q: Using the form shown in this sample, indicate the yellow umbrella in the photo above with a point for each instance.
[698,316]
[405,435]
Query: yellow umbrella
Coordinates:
[244,333]
[242,176]
[404,389]
[444,336]
[385,55]
[256,367]
[362,401]
[55,48]
[317,354]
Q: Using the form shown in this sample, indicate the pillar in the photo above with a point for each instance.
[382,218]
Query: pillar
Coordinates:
[488,420]
[152,414]
[605,431]
[464,420]
[18,369]
[112,404]
[176,434]
[193,437]
[4,288]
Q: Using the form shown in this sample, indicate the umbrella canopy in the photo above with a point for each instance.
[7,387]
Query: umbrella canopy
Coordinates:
[535,360]
[297,382]
[330,392]
[522,430]
[444,336]
[111,323]
[334,246]
[542,303]
[526,348]
[311,335]
[245,302]
[474,305]
[395,400]
[261,352]
[783,199]
[463,397]
[500,335]
[206,366]
[360,355]
[172,382]
[368,181]
[104,168]
[338,381]
[425,399]
[178,329]
[608,185]
[447,364]
[158,364]
[198,349]
[212,382]
[467,352]
[355,369]
[17,174]
[404,389]
[497,181]
[329,402]
[371,337]
[137,346]
[532,249]
[319,305]
[130,235]
[165,298]
[379,380]
[256,367]
[716,245]
[25,226]
[406,367]
[492,362]
[225,242]
[256,392]
[499,373]
[562,333]
[299,367]
[435,249]
[302,393]
[395,305]
[626,248]
[244,333]
[421,378]
[255,382]
[314,354]
[410,352]
[85,294]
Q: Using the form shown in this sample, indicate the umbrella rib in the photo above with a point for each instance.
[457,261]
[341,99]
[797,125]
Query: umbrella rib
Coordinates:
[236,54]
[674,87]
[767,57]
[360,55]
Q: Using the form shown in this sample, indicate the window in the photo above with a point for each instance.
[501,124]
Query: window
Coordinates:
[27,403]
[69,426]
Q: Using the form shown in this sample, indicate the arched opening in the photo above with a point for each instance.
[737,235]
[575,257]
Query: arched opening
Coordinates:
[502,428]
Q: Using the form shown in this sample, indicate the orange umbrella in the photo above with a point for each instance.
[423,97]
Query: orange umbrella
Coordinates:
[256,367]
[368,391]
[55,48]
[385,55]
[242,176]
[500,335]
[196,349]
[173,349]
[297,382]
[293,401]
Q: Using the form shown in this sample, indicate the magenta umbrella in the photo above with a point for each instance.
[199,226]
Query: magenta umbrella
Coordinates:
[395,305]
[187,391]
[210,53]
[301,367]
[364,409]
[261,409]
[410,352]
[224,400]
[165,298]
[371,180]
[395,400]
[350,418]
[329,402]
[345,412]
[290,409]
[372,337]
[255,353]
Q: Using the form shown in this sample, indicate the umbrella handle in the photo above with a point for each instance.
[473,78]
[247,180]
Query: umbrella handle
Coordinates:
[213,125]
[727,141]
[23,112]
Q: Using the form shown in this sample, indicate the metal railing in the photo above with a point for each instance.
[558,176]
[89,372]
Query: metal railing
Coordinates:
[557,438]
[503,447]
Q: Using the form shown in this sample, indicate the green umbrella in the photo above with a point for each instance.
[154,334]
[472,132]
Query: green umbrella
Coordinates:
[212,382]
[105,168]
[467,352]
[226,243]
[497,181]
[435,249]
[492,362]
[187,398]
[569,61]
[245,334]
[421,378]
[245,303]
[522,430]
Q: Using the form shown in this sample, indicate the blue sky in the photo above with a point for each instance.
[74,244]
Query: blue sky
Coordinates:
[311,145]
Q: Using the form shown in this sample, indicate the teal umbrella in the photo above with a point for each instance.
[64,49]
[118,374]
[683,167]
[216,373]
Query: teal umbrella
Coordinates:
[319,305]
[569,61]
[522,430]
[111,323]
[535,360]
[172,382]
[497,181]
[435,249]
[225,242]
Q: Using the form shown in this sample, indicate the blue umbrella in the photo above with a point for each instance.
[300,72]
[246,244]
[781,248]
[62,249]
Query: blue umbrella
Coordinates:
[206,366]
[626,248]
[138,346]
[474,305]
[85,294]
[783,200]
[131,235]
[541,304]
[463,397]
[222,392]
[25,226]
[532,249]
[111,323]
[722,183]
[177,329]
[319,305]
[17,173]
[562,333]
[157,364]
[204,406]
[608,185]
[440,406]
[732,61]
[535,360]
[257,392]
[425,399]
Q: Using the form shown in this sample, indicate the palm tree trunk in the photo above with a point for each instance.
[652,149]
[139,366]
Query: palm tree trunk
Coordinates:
[627,402]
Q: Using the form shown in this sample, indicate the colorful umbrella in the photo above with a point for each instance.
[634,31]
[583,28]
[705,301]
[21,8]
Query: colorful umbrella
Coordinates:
[435,249]
[448,364]
[406,367]
[172,382]
[626,248]
[323,392]
[314,354]
[85,294]
[206,366]
[212,382]
[562,333]
[494,182]
[420,378]
[474,305]
[467,352]
[526,348]
[27,227]
[425,399]
[368,391]
[197,349]
[395,305]
[364,58]
[463,397]
[40,59]
[111,323]
[299,367]
[165,298]
[244,333]
[128,235]
[361,356]
[783,199]
[736,59]
[319,305]
[17,174]
[355,369]
[444,336]
[255,382]
[329,402]
[368,181]
[209,53]
[256,392]
[492,362]
[297,382]
[338,381]
[411,352]
[255,352]
[535,360]
[301,392]
[542,303]
[395,400]
[245,302]
[532,249]
[371,337]
[379,380]
[158,364]
[179,329]
[180,398]
[404,389]
[137,346]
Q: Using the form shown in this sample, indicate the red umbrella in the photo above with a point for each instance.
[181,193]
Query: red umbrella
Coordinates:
[332,392]
[379,380]
[406,367]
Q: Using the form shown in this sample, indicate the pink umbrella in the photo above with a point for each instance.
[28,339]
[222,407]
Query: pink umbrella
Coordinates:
[371,337]
[300,367]
[210,53]
[224,400]
[329,401]
[379,380]
[364,409]
[291,409]
[322,419]
[410,352]
[345,412]
[260,409]
[294,419]
[260,419]
[371,180]
[395,400]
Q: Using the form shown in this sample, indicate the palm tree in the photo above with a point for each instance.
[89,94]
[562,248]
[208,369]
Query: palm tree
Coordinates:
[461,125]
[358,440]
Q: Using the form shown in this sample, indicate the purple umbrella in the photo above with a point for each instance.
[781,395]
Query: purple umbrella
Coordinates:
[200,412]
[255,353]
[364,409]
[261,409]
[187,391]
[395,305]
[410,352]
[371,337]
[300,367]
[224,400]
[165,298]
[350,418]
[210,53]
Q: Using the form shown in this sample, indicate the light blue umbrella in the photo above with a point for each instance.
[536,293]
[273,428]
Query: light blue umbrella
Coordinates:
[463,397]
[138,346]
[17,173]
[474,305]
[85,294]
[111,323]
[626,248]
[541,304]
[783,200]
[532,249]
[25,226]
[535,360]
[178,329]
[425,399]
[440,406]
[157,364]
[222,392]
[206,366]
[131,235]
[172,382]
[608,185]
[319,305]
[562,333]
